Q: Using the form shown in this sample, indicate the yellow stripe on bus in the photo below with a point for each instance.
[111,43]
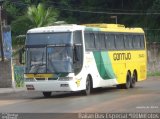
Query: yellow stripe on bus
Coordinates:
[38,75]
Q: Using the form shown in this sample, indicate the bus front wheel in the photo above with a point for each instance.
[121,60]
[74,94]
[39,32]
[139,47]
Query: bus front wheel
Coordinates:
[47,94]
[128,81]
[88,89]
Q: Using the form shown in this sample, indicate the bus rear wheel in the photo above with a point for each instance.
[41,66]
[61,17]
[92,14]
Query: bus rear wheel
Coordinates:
[88,89]
[133,80]
[47,94]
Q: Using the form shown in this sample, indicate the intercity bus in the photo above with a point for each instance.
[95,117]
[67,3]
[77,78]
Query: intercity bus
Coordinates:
[82,57]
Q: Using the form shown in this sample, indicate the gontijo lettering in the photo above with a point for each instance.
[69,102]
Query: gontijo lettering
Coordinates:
[122,56]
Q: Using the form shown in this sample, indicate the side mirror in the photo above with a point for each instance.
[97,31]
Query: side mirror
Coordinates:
[22,56]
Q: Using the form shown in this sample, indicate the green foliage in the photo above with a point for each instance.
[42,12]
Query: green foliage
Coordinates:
[11,11]
[39,16]
[26,14]
[19,76]
[157,73]
[19,27]
[32,16]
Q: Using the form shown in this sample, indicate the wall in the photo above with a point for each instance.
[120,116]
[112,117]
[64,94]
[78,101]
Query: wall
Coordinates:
[153,57]
[5,74]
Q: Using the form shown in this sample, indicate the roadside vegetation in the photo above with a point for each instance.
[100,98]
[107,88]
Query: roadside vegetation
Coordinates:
[25,14]
[156,73]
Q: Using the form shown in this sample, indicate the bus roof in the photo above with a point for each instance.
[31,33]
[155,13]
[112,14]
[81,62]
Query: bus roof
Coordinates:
[58,28]
[112,28]
[89,27]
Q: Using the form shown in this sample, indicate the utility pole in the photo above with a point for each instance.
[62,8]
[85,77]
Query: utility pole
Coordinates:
[1,30]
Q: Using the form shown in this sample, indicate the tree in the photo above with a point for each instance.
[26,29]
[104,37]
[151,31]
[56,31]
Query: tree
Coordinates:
[39,16]
[36,16]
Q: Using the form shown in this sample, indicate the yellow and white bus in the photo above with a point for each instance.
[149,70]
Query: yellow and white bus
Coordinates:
[83,57]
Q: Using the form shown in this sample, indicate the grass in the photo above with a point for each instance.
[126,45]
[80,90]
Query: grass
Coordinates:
[156,73]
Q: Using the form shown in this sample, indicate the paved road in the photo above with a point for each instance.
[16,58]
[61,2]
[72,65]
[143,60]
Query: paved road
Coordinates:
[144,98]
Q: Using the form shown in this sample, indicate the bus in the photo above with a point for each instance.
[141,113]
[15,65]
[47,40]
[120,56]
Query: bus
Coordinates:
[67,58]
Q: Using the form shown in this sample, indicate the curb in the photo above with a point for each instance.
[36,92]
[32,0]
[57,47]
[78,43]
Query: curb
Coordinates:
[11,90]
[153,77]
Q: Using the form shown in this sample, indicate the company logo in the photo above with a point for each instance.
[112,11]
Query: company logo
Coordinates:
[122,56]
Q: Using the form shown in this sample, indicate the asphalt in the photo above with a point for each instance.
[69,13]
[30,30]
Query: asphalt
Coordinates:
[14,90]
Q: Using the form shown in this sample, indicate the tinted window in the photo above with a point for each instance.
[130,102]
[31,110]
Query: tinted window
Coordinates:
[128,41]
[119,42]
[110,44]
[100,40]
[97,41]
[48,38]
[136,41]
[89,41]
[78,52]
[142,41]
[77,36]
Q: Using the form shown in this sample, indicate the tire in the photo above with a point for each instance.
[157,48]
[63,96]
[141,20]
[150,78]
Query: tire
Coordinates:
[128,81]
[127,85]
[47,94]
[133,80]
[88,89]
[119,86]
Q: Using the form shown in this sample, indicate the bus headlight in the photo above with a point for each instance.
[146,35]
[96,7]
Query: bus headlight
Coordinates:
[65,78]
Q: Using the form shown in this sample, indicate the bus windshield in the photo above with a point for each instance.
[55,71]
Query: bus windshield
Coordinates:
[49,55]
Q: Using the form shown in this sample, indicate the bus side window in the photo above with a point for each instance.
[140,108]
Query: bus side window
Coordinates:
[99,41]
[86,39]
[89,41]
[92,41]
[102,41]
[136,42]
[110,41]
[119,42]
[77,37]
[128,41]
[78,51]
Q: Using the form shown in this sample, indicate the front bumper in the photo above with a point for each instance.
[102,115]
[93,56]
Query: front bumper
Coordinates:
[53,86]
